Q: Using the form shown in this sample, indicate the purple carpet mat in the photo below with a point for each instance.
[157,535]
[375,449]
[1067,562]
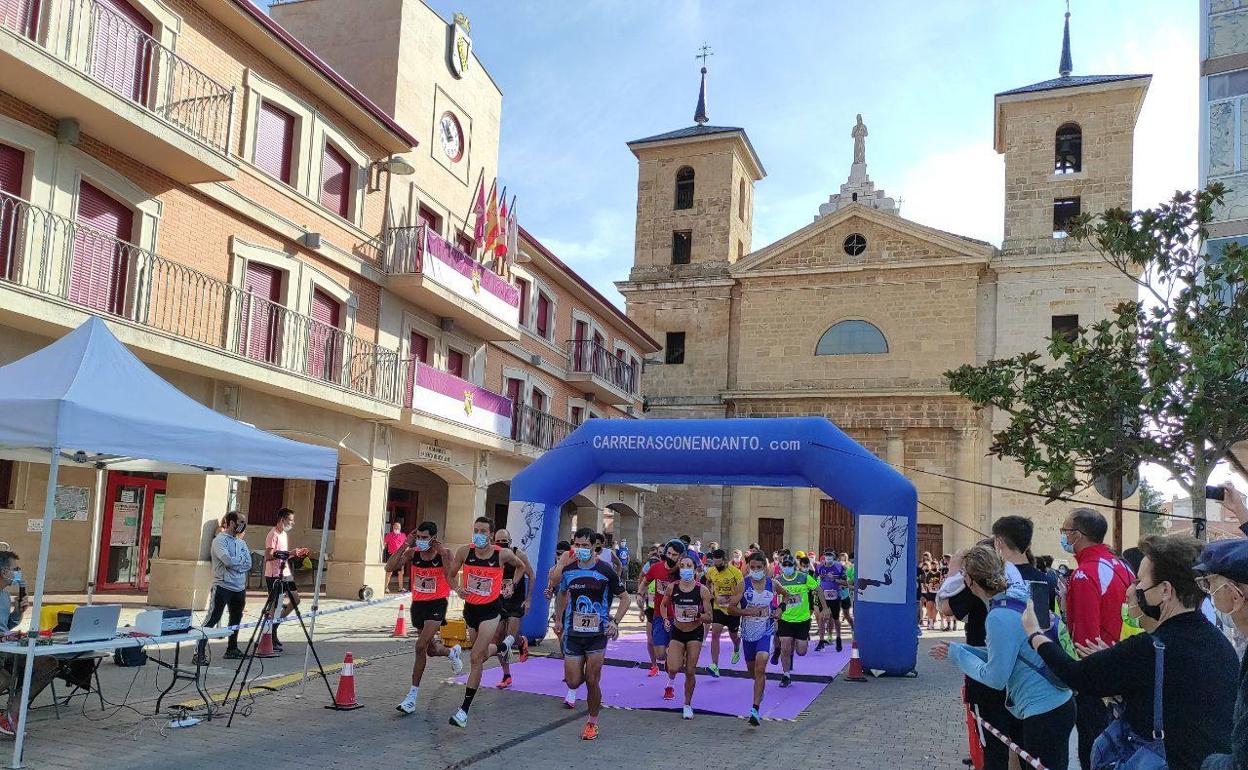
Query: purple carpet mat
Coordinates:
[630,688]
[813,667]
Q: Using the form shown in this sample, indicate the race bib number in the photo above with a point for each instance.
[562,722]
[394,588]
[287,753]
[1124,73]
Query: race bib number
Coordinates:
[831,594]
[586,622]
[687,613]
[425,585]
[509,587]
[722,600]
[794,600]
[479,585]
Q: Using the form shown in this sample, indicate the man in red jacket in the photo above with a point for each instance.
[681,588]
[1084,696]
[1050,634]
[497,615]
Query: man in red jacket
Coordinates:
[1096,591]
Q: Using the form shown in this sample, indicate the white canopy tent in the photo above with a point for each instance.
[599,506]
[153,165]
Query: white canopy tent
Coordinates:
[87,400]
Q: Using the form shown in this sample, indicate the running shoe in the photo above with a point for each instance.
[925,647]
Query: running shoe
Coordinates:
[754,718]
[654,670]
[590,732]
[408,706]
[839,647]
[819,647]
[456,659]
[6,725]
[736,655]
[785,680]
[567,704]
[504,683]
[714,669]
[669,693]
[687,713]
[460,718]
[524,648]
[775,655]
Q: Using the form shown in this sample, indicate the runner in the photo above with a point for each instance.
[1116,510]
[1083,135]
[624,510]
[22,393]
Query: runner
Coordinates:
[724,579]
[847,593]
[431,574]
[552,577]
[645,606]
[584,601]
[481,589]
[605,554]
[687,608]
[738,560]
[662,574]
[515,603]
[794,629]
[832,581]
[755,603]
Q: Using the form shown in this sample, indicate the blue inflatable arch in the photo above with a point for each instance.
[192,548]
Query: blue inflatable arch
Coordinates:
[777,452]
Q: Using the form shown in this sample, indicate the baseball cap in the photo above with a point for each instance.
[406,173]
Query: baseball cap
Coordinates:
[801,554]
[1228,558]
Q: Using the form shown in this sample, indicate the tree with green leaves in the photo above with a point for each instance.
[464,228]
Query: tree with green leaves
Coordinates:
[1150,500]
[1162,380]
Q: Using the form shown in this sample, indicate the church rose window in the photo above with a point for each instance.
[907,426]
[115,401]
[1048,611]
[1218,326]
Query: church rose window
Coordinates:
[850,338]
[855,244]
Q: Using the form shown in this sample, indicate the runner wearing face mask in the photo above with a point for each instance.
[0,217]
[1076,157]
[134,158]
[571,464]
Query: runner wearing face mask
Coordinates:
[724,579]
[687,605]
[430,567]
[794,631]
[832,580]
[755,603]
[662,573]
[482,564]
[276,574]
[515,604]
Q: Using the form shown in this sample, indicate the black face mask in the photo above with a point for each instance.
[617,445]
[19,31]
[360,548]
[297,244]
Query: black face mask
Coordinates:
[1152,611]
[669,561]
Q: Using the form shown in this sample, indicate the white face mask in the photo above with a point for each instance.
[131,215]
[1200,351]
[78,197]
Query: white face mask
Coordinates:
[287,527]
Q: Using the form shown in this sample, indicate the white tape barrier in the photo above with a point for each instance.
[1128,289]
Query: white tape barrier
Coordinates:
[20,647]
[1014,747]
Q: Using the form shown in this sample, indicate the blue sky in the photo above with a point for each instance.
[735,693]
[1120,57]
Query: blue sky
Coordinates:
[581,79]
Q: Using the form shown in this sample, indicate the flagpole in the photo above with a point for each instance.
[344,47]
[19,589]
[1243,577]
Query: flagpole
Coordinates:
[472,201]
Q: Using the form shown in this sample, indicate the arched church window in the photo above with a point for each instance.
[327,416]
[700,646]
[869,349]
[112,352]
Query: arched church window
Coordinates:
[1068,156]
[850,338]
[684,188]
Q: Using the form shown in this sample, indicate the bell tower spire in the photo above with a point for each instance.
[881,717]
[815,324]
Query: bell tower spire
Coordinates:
[699,113]
[1064,67]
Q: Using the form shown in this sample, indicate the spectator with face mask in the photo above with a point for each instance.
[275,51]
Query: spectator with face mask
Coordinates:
[1222,573]
[1198,663]
[231,559]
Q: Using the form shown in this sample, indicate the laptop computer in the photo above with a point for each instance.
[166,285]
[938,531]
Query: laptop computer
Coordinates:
[96,623]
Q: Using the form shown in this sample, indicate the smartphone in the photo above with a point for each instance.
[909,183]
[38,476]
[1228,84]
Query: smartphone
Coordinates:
[1215,493]
[1041,600]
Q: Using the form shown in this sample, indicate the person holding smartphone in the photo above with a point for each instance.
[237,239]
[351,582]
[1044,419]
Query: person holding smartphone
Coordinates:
[1011,537]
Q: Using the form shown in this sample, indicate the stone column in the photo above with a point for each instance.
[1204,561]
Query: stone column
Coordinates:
[464,503]
[895,447]
[182,575]
[739,534]
[799,519]
[965,495]
[356,556]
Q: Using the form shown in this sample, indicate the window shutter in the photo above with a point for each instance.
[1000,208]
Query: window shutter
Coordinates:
[265,498]
[6,483]
[335,182]
[543,315]
[98,270]
[538,400]
[12,168]
[523,285]
[121,48]
[20,16]
[324,344]
[419,352]
[262,286]
[275,141]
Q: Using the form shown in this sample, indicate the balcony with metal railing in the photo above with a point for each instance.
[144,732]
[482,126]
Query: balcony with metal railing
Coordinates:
[86,60]
[537,428]
[600,372]
[436,275]
[235,334]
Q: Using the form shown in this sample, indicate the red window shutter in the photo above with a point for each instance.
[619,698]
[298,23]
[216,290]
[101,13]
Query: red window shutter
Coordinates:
[578,415]
[121,48]
[455,363]
[275,142]
[261,289]
[12,171]
[513,389]
[324,343]
[101,255]
[543,314]
[523,285]
[418,352]
[6,483]
[20,16]
[538,400]
[335,182]
[266,497]
[426,217]
[318,505]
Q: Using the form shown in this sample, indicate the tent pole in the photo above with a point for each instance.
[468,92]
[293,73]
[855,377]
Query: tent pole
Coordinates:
[97,522]
[316,590]
[45,542]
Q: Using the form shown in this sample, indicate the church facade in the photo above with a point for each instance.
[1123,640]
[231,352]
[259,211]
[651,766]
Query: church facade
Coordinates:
[856,316]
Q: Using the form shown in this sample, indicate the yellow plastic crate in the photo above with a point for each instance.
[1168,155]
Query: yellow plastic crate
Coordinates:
[48,613]
[455,632]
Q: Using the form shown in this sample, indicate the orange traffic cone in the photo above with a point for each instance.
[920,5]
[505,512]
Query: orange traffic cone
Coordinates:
[265,648]
[400,625]
[344,700]
[855,665]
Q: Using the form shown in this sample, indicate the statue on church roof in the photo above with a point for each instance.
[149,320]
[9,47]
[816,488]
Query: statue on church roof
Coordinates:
[860,141]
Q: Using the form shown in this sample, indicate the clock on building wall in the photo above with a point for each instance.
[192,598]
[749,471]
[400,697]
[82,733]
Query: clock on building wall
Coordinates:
[451,137]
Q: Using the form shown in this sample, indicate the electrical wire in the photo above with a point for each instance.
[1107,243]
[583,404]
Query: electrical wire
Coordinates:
[939,512]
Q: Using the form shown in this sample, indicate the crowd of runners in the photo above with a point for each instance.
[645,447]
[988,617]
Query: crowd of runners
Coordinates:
[763,603]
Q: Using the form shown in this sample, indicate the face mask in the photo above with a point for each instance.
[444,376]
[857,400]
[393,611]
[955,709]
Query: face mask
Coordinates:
[787,571]
[422,545]
[583,554]
[287,527]
[669,562]
[686,573]
[1065,543]
[1152,611]
[240,527]
[502,544]
[757,574]
[17,576]
[480,540]
[597,549]
[828,560]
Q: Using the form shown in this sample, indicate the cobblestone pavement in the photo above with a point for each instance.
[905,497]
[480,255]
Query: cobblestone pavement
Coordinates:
[885,723]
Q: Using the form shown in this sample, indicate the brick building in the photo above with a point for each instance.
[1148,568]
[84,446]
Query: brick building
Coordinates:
[857,315]
[271,212]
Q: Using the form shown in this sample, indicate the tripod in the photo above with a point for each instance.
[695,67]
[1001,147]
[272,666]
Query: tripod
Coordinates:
[280,588]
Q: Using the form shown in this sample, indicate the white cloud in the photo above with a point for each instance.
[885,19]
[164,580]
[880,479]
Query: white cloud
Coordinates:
[961,191]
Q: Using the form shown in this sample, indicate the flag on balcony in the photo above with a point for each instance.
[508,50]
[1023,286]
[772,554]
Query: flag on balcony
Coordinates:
[492,233]
[513,234]
[478,208]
